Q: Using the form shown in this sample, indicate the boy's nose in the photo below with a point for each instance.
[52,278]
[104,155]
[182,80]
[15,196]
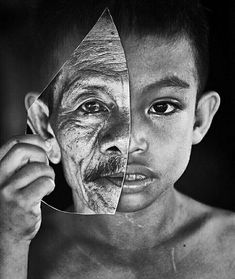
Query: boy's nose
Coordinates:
[137,144]
[138,137]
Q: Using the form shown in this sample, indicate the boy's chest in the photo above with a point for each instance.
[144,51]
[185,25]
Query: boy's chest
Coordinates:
[100,262]
[94,270]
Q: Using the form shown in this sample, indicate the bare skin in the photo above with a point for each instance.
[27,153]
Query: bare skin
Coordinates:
[200,246]
[26,178]
[157,232]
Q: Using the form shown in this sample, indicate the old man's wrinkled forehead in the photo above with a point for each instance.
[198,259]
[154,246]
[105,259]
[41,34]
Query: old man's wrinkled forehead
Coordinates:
[100,54]
[100,50]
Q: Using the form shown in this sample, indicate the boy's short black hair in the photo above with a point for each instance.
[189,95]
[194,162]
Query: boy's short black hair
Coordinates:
[168,19]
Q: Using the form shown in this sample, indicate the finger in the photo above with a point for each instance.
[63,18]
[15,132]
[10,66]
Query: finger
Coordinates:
[18,156]
[30,139]
[33,194]
[27,175]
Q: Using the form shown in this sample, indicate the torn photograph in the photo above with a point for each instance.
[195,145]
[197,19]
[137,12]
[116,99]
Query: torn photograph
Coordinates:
[81,113]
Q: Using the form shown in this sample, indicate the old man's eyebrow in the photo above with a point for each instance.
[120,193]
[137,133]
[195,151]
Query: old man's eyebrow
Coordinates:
[86,81]
[98,88]
[169,81]
[76,93]
[91,73]
[95,87]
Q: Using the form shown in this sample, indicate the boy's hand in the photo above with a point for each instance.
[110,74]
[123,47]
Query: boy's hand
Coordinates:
[25,178]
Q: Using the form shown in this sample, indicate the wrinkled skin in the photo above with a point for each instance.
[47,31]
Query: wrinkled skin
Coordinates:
[95,75]
[84,139]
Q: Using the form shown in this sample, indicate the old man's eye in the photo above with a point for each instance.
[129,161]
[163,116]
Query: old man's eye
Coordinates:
[162,108]
[92,107]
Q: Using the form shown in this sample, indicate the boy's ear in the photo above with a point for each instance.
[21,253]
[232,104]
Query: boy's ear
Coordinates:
[206,108]
[38,121]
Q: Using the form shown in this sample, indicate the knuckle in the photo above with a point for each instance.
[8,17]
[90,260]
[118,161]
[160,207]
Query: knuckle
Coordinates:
[21,202]
[25,150]
[32,229]
[19,149]
[13,140]
[36,213]
[6,194]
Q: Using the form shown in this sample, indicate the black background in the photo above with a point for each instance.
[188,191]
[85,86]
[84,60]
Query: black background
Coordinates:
[210,175]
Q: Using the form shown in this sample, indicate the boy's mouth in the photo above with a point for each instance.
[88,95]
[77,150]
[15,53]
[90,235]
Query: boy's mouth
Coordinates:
[136,179]
[134,176]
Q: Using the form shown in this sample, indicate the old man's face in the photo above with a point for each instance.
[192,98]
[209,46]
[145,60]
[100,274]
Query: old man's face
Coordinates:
[90,119]
[92,126]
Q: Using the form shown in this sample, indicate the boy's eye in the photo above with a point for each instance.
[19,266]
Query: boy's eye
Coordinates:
[92,107]
[162,108]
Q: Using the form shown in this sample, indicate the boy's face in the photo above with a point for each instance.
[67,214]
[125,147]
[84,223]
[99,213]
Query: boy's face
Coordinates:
[162,83]
[163,88]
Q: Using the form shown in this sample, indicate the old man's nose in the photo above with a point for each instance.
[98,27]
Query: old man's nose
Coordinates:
[124,137]
[115,138]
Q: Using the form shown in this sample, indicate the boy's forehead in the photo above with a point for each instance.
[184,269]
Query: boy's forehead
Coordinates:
[152,58]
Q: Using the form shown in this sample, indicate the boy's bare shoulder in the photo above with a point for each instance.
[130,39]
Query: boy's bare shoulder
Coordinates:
[221,235]
[221,227]
[212,236]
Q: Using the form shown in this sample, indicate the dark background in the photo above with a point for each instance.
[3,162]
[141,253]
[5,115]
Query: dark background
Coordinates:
[210,176]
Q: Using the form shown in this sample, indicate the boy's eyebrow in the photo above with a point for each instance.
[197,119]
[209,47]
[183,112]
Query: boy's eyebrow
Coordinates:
[169,81]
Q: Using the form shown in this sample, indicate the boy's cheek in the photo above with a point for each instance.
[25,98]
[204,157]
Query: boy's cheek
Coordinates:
[172,146]
[172,133]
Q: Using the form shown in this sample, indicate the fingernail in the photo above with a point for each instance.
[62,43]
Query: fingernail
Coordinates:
[53,182]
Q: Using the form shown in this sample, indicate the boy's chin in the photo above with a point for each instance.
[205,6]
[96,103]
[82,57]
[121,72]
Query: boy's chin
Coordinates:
[133,203]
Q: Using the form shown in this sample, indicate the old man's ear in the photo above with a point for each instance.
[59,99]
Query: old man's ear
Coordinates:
[38,121]
[207,106]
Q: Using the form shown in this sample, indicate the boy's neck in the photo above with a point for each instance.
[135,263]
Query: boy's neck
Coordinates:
[142,229]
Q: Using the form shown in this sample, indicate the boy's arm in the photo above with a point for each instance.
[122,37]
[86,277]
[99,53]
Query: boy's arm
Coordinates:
[25,178]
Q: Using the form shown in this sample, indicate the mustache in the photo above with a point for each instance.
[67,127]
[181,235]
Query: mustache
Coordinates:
[106,167]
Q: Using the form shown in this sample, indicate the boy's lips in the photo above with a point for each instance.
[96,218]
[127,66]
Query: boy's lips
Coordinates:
[137,178]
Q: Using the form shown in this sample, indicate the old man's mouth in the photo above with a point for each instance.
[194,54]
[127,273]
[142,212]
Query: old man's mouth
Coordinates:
[116,178]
